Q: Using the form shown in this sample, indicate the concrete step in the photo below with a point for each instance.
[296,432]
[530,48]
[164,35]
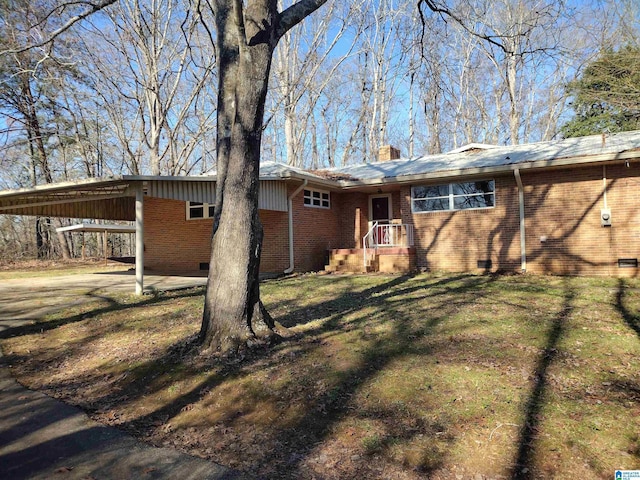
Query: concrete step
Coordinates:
[350,260]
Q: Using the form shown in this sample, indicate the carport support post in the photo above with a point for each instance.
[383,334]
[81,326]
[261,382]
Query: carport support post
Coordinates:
[139,239]
[106,247]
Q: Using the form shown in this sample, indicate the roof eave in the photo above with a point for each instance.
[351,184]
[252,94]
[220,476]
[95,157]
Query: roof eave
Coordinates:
[469,172]
[169,178]
[312,179]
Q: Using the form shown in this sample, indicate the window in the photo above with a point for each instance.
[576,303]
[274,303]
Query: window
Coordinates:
[197,210]
[317,198]
[453,196]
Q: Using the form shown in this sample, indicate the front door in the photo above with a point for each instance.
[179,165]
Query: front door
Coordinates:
[380,211]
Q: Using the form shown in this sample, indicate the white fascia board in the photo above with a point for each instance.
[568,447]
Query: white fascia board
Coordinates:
[96,227]
[169,178]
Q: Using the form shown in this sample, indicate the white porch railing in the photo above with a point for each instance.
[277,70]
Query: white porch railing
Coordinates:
[387,235]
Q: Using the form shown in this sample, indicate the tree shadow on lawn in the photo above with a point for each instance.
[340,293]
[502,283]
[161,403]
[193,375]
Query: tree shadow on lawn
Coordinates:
[77,346]
[628,391]
[327,409]
[112,305]
[324,410]
[631,319]
[524,467]
[352,299]
[404,339]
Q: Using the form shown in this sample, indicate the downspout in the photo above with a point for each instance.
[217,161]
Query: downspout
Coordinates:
[290,210]
[523,248]
[604,185]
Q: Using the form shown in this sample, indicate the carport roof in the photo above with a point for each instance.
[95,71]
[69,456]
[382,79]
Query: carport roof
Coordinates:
[110,198]
[113,198]
[106,198]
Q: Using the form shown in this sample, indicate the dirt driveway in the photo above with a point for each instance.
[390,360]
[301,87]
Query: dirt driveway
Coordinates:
[24,300]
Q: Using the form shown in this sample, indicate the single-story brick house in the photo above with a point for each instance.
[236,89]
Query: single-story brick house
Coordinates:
[564,207]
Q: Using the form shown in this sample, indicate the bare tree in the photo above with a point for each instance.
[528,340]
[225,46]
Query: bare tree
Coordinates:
[305,62]
[152,63]
[512,33]
[29,84]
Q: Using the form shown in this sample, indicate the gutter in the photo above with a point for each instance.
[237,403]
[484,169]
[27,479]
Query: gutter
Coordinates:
[323,182]
[290,198]
[523,248]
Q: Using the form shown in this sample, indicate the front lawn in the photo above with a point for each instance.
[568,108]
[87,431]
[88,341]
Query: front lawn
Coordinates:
[385,377]
[53,268]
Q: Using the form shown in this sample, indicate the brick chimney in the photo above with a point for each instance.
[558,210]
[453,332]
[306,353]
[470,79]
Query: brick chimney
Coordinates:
[387,152]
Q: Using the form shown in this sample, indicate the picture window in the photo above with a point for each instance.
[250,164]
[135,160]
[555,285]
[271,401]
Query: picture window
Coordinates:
[453,196]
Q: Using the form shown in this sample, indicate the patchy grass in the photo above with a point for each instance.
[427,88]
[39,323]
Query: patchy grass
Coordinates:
[439,376]
[53,268]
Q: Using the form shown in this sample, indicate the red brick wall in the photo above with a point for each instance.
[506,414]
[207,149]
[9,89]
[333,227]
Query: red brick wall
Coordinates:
[455,241]
[275,249]
[315,231]
[561,205]
[564,206]
[396,204]
[353,218]
[174,244]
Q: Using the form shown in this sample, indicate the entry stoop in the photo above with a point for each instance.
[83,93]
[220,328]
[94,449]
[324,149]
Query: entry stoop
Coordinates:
[350,260]
[387,260]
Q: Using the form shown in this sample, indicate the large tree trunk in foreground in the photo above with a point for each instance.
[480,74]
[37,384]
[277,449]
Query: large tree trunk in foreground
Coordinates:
[246,38]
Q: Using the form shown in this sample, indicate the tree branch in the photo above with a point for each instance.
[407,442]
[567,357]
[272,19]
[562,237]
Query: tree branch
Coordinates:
[297,12]
[442,11]
[90,10]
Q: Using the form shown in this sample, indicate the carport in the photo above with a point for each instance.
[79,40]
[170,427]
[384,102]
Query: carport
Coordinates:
[116,198]
[104,228]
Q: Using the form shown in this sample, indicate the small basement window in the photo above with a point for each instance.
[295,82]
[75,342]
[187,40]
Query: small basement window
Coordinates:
[317,199]
[628,263]
[199,210]
[485,264]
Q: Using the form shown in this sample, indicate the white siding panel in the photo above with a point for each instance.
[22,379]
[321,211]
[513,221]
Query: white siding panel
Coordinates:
[273,195]
[204,192]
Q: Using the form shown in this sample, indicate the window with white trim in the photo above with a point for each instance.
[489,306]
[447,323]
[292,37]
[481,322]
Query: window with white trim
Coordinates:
[453,196]
[316,198]
[199,210]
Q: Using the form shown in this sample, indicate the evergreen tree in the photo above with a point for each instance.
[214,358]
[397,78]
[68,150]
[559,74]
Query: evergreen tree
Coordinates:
[606,98]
